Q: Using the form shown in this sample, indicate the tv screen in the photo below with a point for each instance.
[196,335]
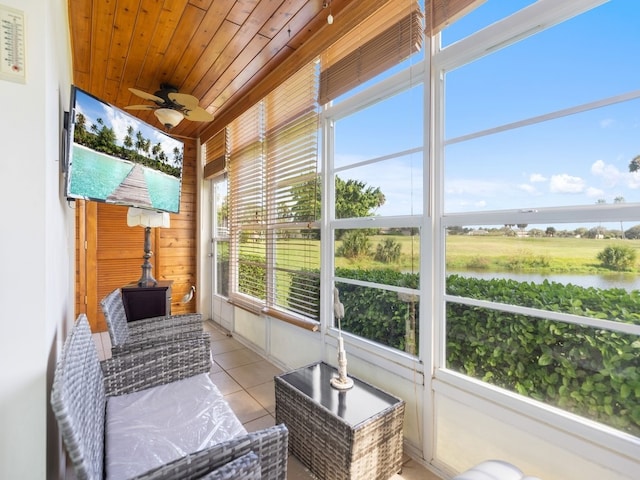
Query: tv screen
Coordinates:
[114,157]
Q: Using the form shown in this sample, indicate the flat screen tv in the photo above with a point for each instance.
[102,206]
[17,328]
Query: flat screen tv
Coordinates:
[114,157]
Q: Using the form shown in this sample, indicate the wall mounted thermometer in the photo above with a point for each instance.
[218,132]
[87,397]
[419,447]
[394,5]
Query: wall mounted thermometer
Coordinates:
[12,49]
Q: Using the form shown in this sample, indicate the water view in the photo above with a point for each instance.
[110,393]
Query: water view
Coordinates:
[627,281]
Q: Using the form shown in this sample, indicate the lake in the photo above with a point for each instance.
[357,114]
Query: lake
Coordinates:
[627,281]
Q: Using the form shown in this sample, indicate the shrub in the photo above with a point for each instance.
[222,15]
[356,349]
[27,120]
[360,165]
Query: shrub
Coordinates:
[617,257]
[387,251]
[525,260]
[592,372]
[478,263]
[252,277]
[355,243]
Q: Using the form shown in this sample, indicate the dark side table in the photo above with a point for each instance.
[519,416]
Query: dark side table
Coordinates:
[351,434]
[148,301]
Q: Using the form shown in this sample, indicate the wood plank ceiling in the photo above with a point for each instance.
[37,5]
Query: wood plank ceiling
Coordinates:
[227,53]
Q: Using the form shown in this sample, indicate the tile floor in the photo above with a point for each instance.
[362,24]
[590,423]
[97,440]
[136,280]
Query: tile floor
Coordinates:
[246,380]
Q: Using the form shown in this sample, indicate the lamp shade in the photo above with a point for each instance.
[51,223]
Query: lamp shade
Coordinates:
[168,117]
[139,217]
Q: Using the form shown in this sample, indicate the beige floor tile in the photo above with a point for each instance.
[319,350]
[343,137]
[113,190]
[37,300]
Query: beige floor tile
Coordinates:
[297,471]
[260,423]
[412,470]
[236,358]
[216,332]
[224,382]
[265,394]
[215,368]
[254,374]
[225,345]
[245,406]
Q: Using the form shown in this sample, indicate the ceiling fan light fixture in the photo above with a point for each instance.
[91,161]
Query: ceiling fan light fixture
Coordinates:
[168,117]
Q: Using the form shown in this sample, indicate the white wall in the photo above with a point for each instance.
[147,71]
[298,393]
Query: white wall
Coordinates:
[470,429]
[36,243]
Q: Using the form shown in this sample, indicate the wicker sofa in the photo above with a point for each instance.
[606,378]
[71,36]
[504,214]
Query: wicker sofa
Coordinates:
[143,333]
[134,416]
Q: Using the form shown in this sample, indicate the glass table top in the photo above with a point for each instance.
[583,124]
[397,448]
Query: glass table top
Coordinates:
[359,403]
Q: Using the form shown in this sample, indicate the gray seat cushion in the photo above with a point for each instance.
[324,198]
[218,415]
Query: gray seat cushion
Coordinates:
[155,426]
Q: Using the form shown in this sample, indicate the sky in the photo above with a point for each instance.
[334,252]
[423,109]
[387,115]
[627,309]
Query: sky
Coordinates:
[119,120]
[579,159]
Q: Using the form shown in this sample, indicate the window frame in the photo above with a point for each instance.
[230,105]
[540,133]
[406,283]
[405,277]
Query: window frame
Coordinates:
[403,364]
[528,21]
[217,235]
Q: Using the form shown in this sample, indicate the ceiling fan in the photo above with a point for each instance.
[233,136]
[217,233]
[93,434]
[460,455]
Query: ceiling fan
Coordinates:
[171,106]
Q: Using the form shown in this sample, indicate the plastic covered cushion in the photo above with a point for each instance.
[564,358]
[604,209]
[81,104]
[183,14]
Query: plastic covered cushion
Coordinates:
[152,427]
[492,470]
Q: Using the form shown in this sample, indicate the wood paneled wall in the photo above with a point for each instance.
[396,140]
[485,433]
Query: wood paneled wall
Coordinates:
[109,253]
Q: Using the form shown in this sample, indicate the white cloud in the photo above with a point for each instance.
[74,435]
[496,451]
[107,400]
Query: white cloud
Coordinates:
[593,192]
[606,123]
[537,177]
[608,173]
[528,188]
[565,183]
[633,180]
[480,188]
[612,176]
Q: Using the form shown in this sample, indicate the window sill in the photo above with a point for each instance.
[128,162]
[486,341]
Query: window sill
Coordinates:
[297,321]
[277,314]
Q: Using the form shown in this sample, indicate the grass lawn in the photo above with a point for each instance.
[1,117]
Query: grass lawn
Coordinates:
[491,253]
[577,255]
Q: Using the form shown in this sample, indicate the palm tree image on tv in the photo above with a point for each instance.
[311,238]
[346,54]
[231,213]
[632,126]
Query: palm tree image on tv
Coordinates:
[122,160]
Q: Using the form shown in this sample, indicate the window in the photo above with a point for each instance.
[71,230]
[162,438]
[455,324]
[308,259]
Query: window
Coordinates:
[538,230]
[221,236]
[215,152]
[377,179]
[275,202]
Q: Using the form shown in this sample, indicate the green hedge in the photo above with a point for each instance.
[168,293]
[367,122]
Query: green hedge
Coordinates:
[379,315]
[250,271]
[592,372]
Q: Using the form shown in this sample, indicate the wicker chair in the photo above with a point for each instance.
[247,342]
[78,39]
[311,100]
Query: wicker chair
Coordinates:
[146,332]
[80,396]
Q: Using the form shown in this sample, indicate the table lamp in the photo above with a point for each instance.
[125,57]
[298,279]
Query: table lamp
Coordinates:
[140,217]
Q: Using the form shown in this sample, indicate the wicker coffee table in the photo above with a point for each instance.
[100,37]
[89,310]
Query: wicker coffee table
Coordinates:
[352,434]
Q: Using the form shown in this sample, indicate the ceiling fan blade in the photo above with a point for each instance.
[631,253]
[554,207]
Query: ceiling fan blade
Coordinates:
[184,99]
[198,114]
[140,107]
[145,95]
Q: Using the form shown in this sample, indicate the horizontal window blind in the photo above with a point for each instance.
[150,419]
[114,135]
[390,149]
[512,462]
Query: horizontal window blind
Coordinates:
[389,36]
[441,13]
[215,152]
[247,207]
[273,199]
[247,181]
[292,157]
